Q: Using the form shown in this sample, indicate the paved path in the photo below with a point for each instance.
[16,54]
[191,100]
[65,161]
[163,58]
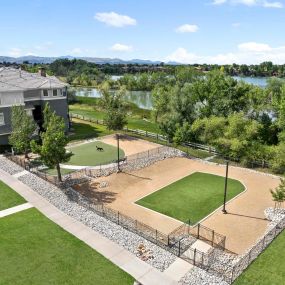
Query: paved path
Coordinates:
[141,271]
[15,209]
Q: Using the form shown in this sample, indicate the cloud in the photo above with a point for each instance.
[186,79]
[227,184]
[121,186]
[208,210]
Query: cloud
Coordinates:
[219,2]
[187,28]
[43,46]
[76,51]
[121,48]
[251,3]
[248,53]
[115,20]
[236,25]
[15,52]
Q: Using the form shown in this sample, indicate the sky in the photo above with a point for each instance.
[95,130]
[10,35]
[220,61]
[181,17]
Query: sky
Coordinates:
[186,31]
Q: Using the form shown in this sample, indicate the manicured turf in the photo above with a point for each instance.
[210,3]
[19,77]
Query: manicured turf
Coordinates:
[88,155]
[35,251]
[193,197]
[9,198]
[268,268]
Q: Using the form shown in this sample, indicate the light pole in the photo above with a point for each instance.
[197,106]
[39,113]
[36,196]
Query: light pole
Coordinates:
[226,188]
[118,151]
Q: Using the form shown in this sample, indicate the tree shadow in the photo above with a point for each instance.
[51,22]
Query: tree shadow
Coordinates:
[97,195]
[83,131]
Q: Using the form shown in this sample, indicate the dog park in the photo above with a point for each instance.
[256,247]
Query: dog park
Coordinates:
[172,200]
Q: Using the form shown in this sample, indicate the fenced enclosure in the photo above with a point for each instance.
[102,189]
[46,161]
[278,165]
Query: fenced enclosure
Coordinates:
[164,139]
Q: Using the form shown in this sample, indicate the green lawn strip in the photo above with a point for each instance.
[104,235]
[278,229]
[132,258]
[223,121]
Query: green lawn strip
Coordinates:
[84,130]
[134,121]
[268,268]
[88,155]
[192,197]
[8,197]
[34,251]
[53,171]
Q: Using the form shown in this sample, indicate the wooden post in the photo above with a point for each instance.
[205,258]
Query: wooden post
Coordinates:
[213,235]
[195,256]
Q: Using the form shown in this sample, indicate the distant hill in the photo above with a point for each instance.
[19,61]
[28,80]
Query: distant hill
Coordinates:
[98,60]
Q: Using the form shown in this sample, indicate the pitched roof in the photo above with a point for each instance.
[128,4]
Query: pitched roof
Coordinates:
[12,79]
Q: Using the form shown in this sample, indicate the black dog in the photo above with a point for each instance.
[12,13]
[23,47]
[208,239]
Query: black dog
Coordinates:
[99,148]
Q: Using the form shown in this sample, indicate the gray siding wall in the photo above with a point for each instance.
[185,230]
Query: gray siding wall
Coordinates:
[60,107]
[7,118]
[32,94]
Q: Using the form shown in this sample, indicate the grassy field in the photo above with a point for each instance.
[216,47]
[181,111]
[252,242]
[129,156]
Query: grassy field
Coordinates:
[137,118]
[192,197]
[34,251]
[87,154]
[84,130]
[268,268]
[8,197]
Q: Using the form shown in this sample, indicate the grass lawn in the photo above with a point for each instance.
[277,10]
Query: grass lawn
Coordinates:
[53,171]
[135,121]
[88,155]
[84,130]
[8,197]
[35,251]
[268,268]
[192,197]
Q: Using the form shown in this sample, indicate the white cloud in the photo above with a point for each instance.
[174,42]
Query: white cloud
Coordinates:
[121,47]
[187,28]
[254,47]
[115,20]
[76,51]
[43,46]
[219,2]
[15,52]
[236,25]
[251,3]
[267,4]
[248,53]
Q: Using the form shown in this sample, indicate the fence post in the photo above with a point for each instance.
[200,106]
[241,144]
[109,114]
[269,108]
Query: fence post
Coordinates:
[156,236]
[249,255]
[194,256]
[179,248]
[156,137]
[198,233]
[213,236]
[168,240]
[146,133]
[118,217]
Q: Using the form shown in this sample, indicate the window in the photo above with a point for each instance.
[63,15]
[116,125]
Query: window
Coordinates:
[45,93]
[64,92]
[54,92]
[2,122]
[59,92]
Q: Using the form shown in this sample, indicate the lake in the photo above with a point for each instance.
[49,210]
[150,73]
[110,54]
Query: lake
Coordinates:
[143,99]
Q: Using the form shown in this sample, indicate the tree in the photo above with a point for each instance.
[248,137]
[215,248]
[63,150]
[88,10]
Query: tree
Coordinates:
[23,129]
[52,150]
[278,195]
[114,105]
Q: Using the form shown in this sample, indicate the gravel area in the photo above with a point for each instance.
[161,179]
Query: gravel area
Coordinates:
[9,166]
[158,257]
[197,276]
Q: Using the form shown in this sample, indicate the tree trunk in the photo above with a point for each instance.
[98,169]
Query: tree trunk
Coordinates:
[58,173]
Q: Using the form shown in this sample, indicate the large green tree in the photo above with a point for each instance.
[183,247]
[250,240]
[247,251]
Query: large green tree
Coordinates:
[52,149]
[23,129]
[114,105]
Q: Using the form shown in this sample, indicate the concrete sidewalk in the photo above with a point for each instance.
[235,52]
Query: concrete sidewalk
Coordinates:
[141,271]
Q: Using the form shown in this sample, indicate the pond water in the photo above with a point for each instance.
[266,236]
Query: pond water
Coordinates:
[143,99]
